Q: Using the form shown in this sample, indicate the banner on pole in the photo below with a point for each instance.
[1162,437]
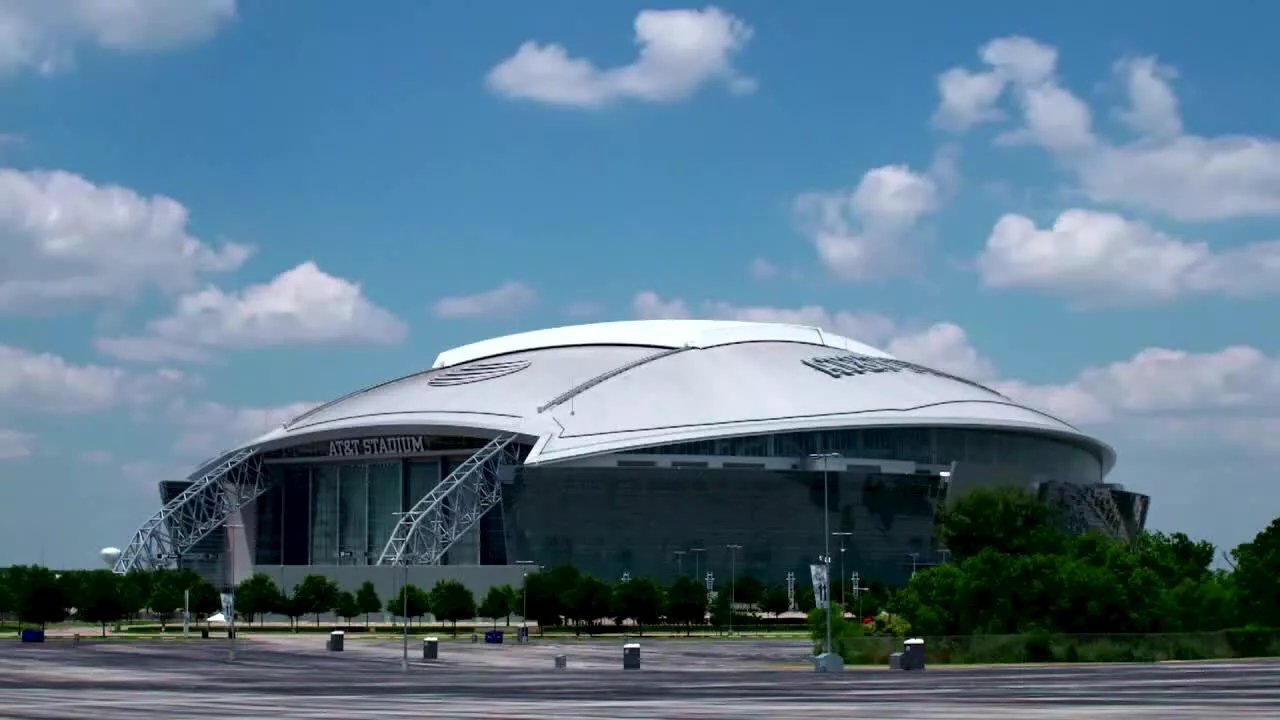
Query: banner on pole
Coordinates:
[228,605]
[820,585]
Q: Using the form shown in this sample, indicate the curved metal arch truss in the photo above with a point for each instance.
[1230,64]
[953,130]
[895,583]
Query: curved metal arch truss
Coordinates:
[235,481]
[426,532]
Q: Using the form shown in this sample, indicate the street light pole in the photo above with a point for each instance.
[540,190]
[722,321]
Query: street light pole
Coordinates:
[697,560]
[404,598]
[826,529]
[733,581]
[404,608]
[842,536]
[679,562]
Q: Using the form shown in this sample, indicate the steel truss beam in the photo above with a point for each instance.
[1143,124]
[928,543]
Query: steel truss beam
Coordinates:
[1094,508]
[235,481]
[434,523]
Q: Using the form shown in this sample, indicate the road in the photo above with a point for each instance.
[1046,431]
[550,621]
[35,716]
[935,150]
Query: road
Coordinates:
[293,677]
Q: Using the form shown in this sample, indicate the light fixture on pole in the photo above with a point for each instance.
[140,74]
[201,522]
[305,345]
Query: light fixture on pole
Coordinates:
[524,599]
[733,581]
[826,529]
[231,619]
[842,536]
[698,560]
[857,593]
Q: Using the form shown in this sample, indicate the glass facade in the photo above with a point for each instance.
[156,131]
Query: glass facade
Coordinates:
[1052,458]
[608,521]
[636,516]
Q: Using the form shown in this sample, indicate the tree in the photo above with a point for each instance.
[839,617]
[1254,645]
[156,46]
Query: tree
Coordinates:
[451,601]
[639,600]
[166,597]
[541,597]
[805,602]
[367,600]
[258,595]
[494,605]
[294,606]
[99,599]
[318,594]
[6,593]
[686,602]
[419,602]
[346,606]
[40,598]
[590,600]
[513,602]
[1257,576]
[204,599]
[748,590]
[1005,519]
[775,600]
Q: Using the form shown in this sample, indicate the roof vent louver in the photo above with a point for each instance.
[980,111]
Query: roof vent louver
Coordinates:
[477,372]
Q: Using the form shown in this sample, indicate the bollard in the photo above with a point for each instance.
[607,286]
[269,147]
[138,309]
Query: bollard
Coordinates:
[913,654]
[430,648]
[336,639]
[562,662]
[631,656]
[828,663]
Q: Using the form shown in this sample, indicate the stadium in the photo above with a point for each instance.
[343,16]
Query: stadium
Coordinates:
[643,447]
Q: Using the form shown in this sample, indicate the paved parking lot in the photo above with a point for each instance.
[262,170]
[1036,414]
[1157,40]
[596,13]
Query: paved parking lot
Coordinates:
[294,677]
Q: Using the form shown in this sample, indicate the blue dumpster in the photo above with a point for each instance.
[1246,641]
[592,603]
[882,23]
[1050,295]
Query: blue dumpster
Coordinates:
[32,635]
[493,637]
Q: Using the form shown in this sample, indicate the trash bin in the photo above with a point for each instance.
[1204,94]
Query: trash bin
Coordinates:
[895,661]
[562,662]
[204,633]
[631,656]
[913,654]
[75,640]
[828,663]
[493,637]
[336,639]
[522,634]
[430,648]
[475,637]
[32,635]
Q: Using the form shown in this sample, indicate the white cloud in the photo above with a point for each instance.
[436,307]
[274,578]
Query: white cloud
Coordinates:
[43,382]
[1164,170]
[680,51]
[1224,391]
[42,35]
[762,269]
[64,239]
[211,427]
[508,298]
[14,444]
[1100,258]
[304,305]
[863,231]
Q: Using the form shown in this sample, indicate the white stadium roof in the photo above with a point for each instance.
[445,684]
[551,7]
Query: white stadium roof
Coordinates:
[608,387]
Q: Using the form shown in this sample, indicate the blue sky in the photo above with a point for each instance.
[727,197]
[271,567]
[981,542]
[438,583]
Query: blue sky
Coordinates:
[215,212]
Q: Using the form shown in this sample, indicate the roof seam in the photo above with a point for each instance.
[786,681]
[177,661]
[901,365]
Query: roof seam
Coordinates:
[584,386]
